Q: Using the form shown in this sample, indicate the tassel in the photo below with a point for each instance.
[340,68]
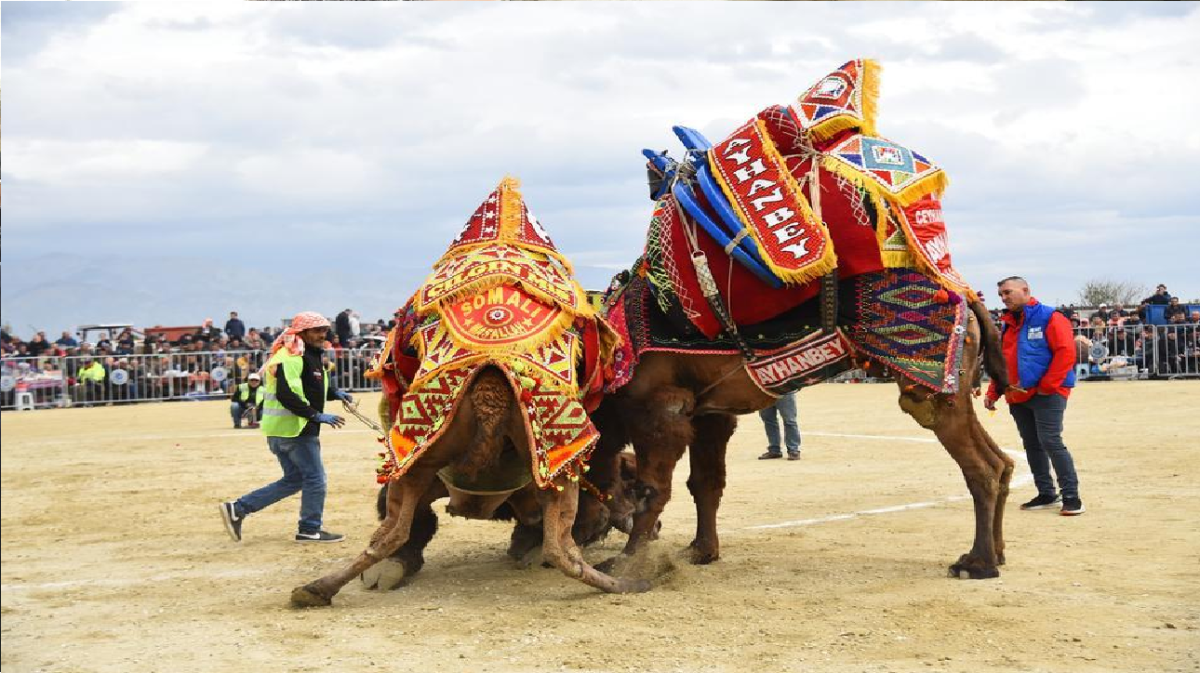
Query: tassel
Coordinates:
[942,297]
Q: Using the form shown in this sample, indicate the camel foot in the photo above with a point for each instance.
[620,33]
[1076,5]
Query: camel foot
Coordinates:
[702,553]
[970,568]
[1000,559]
[308,596]
[386,575]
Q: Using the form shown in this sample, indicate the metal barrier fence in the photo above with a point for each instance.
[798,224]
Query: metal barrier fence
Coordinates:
[1102,353]
[29,383]
[1125,352]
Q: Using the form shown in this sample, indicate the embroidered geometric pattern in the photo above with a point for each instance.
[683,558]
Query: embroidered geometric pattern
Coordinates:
[845,98]
[891,170]
[503,296]
[902,325]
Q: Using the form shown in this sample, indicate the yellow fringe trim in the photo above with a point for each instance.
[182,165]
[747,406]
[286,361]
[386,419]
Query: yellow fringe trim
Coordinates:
[870,93]
[376,372]
[934,183]
[547,334]
[583,307]
[868,99]
[818,267]
[922,264]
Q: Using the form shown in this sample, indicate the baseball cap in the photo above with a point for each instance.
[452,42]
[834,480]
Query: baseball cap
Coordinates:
[254,377]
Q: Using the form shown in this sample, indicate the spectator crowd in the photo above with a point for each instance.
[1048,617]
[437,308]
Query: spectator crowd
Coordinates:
[1111,338]
[211,361]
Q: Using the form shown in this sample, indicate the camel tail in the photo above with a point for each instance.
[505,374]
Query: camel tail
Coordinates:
[993,356]
[492,401]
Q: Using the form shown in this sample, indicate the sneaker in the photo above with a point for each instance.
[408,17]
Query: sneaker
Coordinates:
[1072,507]
[320,536]
[793,455]
[1041,502]
[233,523]
[769,455]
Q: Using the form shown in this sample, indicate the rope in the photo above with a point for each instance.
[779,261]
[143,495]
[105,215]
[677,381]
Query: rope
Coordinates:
[352,409]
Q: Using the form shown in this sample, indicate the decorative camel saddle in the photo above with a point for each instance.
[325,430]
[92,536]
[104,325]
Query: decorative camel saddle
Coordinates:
[801,202]
[502,295]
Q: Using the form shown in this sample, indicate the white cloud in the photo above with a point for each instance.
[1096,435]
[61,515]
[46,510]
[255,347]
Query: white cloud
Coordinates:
[104,160]
[392,120]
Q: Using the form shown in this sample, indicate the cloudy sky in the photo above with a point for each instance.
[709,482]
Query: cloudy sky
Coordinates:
[169,161]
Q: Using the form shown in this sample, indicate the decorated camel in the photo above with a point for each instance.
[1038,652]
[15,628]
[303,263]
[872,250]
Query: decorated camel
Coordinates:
[800,246]
[508,352]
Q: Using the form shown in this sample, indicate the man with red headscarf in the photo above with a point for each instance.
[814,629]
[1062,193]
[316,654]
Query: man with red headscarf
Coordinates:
[296,389]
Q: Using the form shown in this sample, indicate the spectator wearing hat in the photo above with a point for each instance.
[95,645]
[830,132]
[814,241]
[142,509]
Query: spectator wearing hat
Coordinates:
[1101,313]
[91,380]
[245,399]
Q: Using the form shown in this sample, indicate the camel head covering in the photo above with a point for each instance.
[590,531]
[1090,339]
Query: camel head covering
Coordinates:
[290,338]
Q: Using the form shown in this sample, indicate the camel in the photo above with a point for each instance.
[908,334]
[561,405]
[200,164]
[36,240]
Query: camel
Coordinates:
[485,400]
[520,507]
[487,425]
[678,402]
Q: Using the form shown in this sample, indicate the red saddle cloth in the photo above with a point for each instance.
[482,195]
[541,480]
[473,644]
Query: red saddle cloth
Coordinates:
[851,229]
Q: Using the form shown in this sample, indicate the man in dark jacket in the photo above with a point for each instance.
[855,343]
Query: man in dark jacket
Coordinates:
[1160,296]
[234,327]
[1039,350]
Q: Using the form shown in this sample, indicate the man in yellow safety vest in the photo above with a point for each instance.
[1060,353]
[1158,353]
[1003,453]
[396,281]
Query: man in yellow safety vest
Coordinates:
[246,397]
[295,391]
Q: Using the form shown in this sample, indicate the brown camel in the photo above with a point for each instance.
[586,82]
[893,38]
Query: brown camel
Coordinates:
[486,428]
[675,401]
[522,508]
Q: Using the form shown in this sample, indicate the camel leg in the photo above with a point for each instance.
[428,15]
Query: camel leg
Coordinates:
[396,570]
[1006,472]
[953,420]
[385,541]
[561,551]
[656,466]
[527,534]
[661,433]
[707,481]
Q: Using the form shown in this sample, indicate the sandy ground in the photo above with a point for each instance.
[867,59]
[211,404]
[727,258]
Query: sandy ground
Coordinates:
[114,557]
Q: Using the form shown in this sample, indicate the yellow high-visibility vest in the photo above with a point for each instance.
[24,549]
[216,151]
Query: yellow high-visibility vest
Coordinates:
[277,420]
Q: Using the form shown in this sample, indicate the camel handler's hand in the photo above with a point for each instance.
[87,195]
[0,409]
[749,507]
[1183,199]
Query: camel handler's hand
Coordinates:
[330,419]
[989,403]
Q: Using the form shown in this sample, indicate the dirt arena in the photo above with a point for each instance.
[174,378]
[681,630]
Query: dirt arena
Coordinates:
[115,559]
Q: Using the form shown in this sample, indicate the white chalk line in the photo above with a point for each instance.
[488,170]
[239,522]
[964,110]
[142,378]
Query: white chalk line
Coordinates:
[1016,481]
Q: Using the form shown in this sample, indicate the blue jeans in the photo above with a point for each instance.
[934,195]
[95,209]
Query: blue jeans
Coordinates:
[300,458]
[786,408]
[237,409]
[1040,422]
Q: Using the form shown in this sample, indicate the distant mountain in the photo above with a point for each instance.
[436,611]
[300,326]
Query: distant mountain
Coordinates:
[56,292]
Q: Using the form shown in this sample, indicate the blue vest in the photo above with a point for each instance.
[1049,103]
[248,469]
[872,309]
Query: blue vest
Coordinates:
[1033,351]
